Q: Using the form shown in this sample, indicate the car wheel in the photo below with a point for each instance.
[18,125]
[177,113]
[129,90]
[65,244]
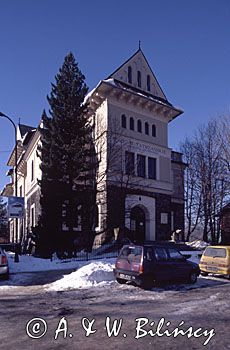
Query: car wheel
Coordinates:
[147,282]
[120,280]
[192,277]
[6,276]
[203,273]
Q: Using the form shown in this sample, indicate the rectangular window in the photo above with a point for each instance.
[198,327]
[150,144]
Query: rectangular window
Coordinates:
[141,165]
[152,168]
[32,171]
[129,163]
[20,191]
[32,215]
[172,221]
[164,218]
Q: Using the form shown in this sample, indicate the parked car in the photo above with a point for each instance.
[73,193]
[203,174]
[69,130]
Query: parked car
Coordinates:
[146,264]
[216,260]
[4,267]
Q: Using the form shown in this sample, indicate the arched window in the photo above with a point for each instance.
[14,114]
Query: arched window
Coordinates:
[131,123]
[146,128]
[139,78]
[154,130]
[129,74]
[123,121]
[139,126]
[148,82]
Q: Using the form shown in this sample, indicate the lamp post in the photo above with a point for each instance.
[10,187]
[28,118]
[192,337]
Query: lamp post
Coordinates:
[16,162]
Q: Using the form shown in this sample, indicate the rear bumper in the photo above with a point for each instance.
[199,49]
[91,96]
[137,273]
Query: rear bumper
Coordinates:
[4,270]
[215,270]
[127,276]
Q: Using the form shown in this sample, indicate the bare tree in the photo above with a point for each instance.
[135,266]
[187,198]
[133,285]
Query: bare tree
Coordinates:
[192,195]
[224,135]
[207,183]
[114,169]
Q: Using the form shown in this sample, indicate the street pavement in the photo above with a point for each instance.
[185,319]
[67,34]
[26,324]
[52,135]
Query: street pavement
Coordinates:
[33,317]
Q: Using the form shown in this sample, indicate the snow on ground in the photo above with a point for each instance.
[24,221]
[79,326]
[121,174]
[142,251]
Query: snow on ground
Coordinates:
[28,263]
[87,273]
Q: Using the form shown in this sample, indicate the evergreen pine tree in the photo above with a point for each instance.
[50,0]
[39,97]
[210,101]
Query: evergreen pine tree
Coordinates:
[65,151]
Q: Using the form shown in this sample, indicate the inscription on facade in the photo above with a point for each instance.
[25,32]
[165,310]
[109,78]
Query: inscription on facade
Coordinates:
[148,148]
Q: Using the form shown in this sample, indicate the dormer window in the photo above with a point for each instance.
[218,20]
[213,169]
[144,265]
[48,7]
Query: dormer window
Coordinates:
[154,130]
[129,74]
[123,121]
[131,123]
[146,128]
[139,126]
[139,78]
[148,82]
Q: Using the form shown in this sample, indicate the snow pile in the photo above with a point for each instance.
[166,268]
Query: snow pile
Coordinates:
[96,273]
[198,244]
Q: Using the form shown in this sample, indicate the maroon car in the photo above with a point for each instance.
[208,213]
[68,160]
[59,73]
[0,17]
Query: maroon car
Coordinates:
[4,268]
[146,264]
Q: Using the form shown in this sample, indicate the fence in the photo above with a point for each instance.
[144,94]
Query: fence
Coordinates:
[108,250]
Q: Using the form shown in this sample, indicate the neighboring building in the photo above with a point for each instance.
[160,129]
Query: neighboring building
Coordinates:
[225,224]
[28,175]
[139,178]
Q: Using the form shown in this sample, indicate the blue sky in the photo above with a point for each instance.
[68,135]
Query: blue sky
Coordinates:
[185,42]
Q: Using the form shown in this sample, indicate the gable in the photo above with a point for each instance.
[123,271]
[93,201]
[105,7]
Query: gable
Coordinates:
[137,73]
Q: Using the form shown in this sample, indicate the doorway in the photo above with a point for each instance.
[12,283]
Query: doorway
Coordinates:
[138,223]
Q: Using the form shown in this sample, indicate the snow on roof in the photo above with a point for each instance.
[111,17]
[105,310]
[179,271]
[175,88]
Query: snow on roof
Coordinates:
[24,129]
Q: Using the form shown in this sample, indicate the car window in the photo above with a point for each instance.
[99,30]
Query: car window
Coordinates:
[215,252]
[161,254]
[131,253]
[174,254]
[149,254]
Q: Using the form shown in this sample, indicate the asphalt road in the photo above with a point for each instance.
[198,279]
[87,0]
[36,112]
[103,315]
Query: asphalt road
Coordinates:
[32,317]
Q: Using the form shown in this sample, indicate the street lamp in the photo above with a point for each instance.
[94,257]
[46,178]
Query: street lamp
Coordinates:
[16,162]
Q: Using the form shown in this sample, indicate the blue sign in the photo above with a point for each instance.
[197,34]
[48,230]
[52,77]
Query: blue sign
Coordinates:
[15,207]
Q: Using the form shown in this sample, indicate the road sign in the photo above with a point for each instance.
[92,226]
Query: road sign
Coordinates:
[15,207]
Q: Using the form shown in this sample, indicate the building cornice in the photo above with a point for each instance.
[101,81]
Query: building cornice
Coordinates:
[108,88]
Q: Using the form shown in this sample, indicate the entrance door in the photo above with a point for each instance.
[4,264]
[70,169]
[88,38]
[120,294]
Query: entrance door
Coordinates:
[138,223]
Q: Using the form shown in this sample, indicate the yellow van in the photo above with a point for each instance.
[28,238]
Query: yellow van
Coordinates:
[215,259]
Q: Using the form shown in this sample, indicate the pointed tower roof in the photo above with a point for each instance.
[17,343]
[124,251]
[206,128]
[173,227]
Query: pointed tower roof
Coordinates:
[134,81]
[137,74]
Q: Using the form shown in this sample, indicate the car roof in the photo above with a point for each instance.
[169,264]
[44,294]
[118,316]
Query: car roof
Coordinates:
[163,244]
[153,244]
[219,246]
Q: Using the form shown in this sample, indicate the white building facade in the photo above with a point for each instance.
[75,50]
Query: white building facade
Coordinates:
[139,178]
